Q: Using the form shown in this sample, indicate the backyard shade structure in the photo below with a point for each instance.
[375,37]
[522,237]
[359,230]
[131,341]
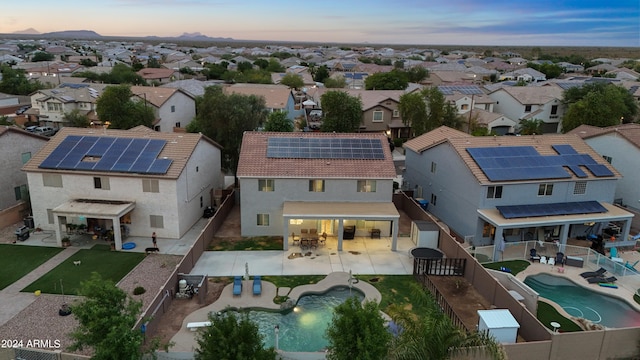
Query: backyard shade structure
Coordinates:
[500,324]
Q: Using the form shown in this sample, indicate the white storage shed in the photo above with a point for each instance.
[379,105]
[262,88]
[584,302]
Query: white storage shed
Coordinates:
[500,324]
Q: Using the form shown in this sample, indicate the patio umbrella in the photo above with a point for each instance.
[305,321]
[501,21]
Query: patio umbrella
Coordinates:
[246,271]
[309,103]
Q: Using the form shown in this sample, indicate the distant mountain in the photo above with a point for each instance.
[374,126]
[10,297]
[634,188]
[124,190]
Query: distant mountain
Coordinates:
[77,34]
[199,36]
[29,31]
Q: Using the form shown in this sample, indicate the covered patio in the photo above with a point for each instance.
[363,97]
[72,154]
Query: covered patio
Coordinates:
[332,217]
[82,209]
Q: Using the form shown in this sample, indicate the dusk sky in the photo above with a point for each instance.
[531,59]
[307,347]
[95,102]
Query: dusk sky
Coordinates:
[420,22]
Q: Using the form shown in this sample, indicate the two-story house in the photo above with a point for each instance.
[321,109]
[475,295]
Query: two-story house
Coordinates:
[49,107]
[322,181]
[520,187]
[133,182]
[173,108]
[16,146]
[277,97]
[531,103]
[158,75]
[620,146]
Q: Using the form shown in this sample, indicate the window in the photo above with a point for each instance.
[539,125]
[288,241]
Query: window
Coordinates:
[53,106]
[26,157]
[101,183]
[434,199]
[554,109]
[201,201]
[21,192]
[366,186]
[150,185]
[50,216]
[378,116]
[545,189]
[527,108]
[494,192]
[464,107]
[156,221]
[609,159]
[263,220]
[52,180]
[433,167]
[316,185]
[156,128]
[396,113]
[197,168]
[266,185]
[580,188]
[178,124]
[173,109]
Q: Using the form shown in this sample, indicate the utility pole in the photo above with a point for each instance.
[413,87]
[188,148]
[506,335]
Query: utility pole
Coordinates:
[470,112]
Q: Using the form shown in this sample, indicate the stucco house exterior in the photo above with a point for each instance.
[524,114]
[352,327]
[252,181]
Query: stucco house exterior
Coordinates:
[277,97]
[531,103]
[173,108]
[17,147]
[322,181]
[132,182]
[513,188]
[48,107]
[620,146]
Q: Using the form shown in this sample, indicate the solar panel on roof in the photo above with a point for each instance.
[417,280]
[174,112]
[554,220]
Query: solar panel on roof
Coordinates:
[511,163]
[555,209]
[325,148]
[108,154]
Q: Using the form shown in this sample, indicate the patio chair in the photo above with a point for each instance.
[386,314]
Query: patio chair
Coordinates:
[598,273]
[304,232]
[323,238]
[313,243]
[613,253]
[631,266]
[304,244]
[543,259]
[237,286]
[560,258]
[533,255]
[296,239]
[313,231]
[551,261]
[601,279]
[257,285]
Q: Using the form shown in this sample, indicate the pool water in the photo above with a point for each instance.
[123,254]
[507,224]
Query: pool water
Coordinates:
[582,302]
[303,329]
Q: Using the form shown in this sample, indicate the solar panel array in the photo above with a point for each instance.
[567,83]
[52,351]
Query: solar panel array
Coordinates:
[510,163]
[462,89]
[324,148]
[555,209]
[109,154]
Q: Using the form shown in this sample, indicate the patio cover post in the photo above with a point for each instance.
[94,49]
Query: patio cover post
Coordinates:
[394,234]
[340,233]
[117,234]
[285,235]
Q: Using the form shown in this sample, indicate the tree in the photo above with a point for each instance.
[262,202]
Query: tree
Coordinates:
[393,80]
[76,119]
[274,66]
[278,121]
[116,107]
[244,66]
[153,63]
[42,56]
[107,317]
[435,107]
[530,127]
[293,81]
[338,82]
[231,337]
[321,74]
[357,331]
[413,110]
[14,81]
[342,112]
[224,118]
[431,335]
[598,104]
[416,74]
[88,62]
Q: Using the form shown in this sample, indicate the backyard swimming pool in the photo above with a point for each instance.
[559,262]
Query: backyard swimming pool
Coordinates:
[303,329]
[582,302]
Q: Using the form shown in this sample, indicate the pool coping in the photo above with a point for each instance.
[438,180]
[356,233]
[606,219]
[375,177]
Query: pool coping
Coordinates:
[185,339]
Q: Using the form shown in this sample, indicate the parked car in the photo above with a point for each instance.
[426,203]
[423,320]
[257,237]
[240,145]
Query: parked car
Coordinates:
[23,109]
[44,131]
[31,128]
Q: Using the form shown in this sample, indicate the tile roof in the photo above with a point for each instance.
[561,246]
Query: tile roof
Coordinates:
[255,163]
[542,143]
[275,96]
[13,129]
[631,132]
[527,95]
[155,73]
[155,95]
[178,148]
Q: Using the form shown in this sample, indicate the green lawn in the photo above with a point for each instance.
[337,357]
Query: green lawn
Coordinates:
[396,290]
[547,313]
[515,266]
[251,243]
[109,264]
[19,260]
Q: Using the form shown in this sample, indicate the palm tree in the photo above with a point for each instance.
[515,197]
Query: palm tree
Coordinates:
[433,335]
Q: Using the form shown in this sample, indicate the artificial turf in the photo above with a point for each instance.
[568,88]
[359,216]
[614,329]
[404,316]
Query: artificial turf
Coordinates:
[19,260]
[66,277]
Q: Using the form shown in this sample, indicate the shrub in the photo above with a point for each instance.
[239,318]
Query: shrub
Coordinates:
[139,290]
